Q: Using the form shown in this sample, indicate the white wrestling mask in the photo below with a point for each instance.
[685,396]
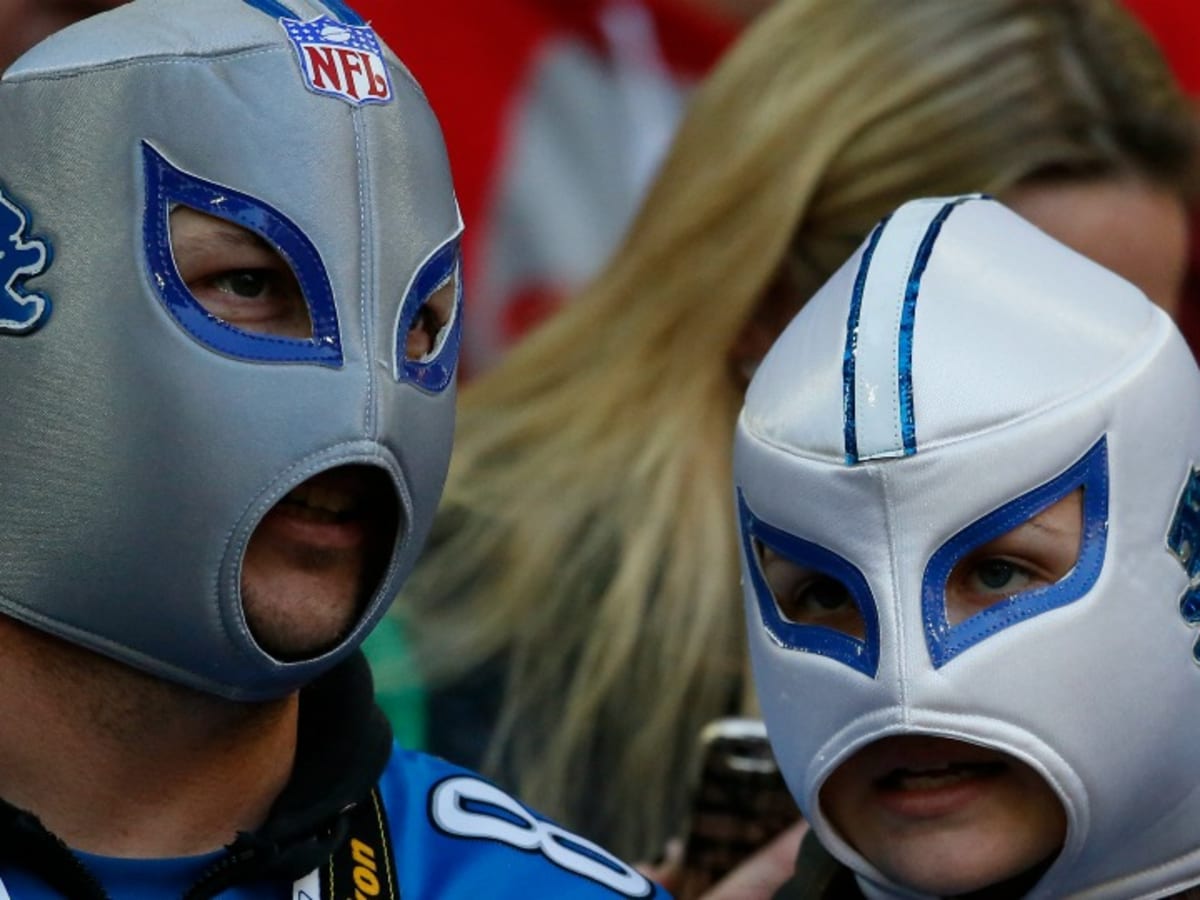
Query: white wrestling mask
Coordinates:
[961,374]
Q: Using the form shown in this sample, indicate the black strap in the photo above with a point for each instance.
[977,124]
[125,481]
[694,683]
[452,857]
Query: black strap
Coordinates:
[362,867]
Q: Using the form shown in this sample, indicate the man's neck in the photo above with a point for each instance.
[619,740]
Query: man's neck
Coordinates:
[119,763]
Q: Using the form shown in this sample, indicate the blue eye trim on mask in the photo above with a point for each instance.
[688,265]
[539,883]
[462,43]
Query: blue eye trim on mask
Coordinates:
[858,653]
[167,185]
[945,641]
[432,373]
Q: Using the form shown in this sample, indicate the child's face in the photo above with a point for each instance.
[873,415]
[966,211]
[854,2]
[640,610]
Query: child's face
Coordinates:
[941,815]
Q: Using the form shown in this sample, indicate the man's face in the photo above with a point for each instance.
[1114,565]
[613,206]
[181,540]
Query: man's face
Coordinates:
[218,337]
[318,555]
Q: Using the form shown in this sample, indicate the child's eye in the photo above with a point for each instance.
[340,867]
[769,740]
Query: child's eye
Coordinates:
[978,582]
[820,595]
[1000,576]
[1036,553]
[808,597]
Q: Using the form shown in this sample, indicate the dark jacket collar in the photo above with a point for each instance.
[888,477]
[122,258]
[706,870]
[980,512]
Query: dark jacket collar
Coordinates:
[343,746]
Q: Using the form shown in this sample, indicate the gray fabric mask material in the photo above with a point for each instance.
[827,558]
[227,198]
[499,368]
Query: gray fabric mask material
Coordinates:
[136,460]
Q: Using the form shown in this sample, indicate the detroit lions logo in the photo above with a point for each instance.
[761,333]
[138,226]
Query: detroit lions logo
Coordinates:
[1183,539]
[21,257]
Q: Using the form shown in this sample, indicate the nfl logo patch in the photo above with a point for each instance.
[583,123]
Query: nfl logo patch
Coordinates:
[344,61]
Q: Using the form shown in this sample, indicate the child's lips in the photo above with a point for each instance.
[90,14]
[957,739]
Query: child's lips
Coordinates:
[919,753]
[919,777]
[928,778]
[932,794]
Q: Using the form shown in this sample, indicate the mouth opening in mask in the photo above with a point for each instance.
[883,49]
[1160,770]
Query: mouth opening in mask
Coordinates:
[317,558]
[945,817]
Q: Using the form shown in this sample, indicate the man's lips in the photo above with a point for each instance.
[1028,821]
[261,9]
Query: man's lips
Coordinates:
[324,503]
[336,510]
[291,524]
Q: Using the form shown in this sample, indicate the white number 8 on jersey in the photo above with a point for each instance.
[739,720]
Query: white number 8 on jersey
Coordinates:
[450,806]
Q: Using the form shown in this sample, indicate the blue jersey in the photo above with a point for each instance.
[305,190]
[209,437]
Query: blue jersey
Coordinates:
[449,835]
[458,836]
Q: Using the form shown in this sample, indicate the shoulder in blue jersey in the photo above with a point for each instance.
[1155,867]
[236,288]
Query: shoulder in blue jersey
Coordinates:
[459,837]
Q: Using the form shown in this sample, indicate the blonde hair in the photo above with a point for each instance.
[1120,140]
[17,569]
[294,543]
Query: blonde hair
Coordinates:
[587,533]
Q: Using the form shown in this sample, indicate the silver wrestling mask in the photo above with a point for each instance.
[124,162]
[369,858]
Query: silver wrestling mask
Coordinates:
[144,438]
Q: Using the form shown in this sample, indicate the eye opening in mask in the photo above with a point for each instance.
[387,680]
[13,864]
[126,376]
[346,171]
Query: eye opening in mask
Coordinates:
[809,598]
[236,276]
[428,327]
[1035,554]
[168,190]
[429,322]
[1041,551]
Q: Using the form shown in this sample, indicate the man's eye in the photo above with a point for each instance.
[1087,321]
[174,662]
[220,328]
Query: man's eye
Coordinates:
[248,283]
[422,334]
[236,276]
[430,319]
